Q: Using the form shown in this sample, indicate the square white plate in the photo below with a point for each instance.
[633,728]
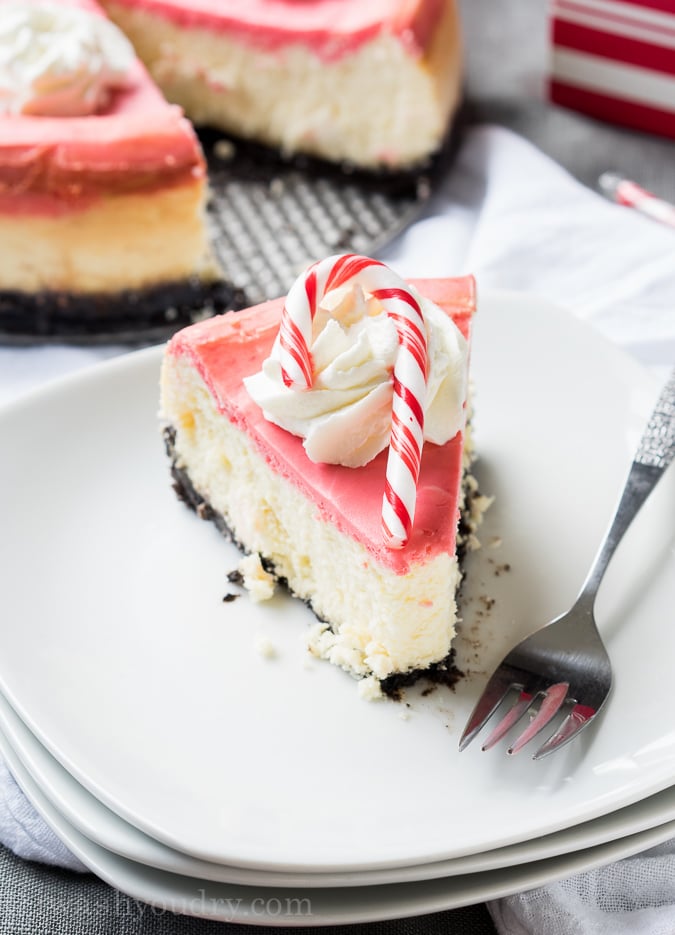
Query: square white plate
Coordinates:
[117,649]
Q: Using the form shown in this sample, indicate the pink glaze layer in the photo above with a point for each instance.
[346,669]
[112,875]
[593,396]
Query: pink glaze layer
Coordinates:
[229,347]
[331,28]
[57,165]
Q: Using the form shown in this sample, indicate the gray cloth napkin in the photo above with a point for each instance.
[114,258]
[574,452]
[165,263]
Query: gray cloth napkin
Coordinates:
[516,220]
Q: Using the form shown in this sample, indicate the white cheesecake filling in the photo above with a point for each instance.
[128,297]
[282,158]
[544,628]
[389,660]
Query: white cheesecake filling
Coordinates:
[128,241]
[379,106]
[381,623]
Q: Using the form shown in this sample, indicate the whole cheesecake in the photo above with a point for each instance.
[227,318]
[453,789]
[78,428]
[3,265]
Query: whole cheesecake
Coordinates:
[374,84]
[102,182]
[385,601]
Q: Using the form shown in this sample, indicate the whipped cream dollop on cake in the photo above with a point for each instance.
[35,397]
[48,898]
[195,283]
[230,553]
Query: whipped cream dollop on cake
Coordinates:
[59,61]
[361,361]
[344,417]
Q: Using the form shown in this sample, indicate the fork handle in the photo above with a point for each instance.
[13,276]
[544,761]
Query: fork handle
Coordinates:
[655,452]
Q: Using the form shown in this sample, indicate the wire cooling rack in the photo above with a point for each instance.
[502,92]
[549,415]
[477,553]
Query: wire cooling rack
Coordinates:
[272,219]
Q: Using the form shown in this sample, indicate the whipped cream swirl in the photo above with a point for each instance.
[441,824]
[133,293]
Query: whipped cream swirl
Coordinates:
[59,61]
[345,416]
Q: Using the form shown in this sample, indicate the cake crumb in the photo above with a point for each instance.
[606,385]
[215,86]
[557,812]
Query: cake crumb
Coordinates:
[423,188]
[320,639]
[204,511]
[479,505]
[369,688]
[224,149]
[277,187]
[494,542]
[266,648]
[472,542]
[259,583]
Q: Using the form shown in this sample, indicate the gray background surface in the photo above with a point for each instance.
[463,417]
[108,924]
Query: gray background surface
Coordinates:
[507,63]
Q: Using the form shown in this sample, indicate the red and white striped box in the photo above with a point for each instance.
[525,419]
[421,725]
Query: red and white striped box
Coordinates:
[615,60]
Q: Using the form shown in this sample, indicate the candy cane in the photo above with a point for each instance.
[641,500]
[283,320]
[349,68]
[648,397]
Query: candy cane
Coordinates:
[410,370]
[628,193]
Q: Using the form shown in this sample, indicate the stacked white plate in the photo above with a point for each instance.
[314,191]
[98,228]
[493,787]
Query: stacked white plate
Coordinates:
[193,771]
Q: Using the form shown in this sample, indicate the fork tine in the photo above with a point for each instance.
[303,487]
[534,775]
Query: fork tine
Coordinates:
[576,720]
[493,694]
[551,702]
[512,716]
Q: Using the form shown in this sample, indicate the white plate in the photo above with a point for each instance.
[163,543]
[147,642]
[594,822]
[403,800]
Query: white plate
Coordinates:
[117,651]
[103,827]
[324,906]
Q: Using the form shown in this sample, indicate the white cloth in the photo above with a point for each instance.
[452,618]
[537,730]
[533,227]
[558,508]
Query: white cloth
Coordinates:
[516,220]
[635,896]
[23,831]
[519,221]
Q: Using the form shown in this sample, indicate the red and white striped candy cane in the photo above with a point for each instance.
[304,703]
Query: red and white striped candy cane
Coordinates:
[410,370]
[628,193]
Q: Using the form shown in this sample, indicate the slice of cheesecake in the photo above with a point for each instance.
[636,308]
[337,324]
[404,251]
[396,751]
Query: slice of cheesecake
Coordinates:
[102,196]
[374,84]
[385,614]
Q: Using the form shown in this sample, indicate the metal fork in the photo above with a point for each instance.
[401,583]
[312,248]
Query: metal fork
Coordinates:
[564,667]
